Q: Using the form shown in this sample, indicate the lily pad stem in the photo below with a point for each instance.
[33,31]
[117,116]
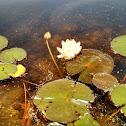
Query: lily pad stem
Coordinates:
[52,55]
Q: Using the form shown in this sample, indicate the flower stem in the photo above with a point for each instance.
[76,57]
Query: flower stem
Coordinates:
[123,79]
[24,117]
[53,58]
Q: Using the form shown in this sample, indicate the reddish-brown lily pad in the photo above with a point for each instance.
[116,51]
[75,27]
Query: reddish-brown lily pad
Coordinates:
[104,81]
[90,62]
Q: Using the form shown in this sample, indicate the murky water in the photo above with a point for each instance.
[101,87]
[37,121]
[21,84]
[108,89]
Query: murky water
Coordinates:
[92,22]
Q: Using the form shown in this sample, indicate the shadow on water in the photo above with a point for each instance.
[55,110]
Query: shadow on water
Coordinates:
[94,23]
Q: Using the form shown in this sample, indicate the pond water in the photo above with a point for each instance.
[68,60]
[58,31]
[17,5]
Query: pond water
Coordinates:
[92,22]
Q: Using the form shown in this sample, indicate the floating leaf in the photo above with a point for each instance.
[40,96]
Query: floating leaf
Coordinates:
[3,42]
[6,69]
[104,81]
[118,94]
[86,120]
[63,100]
[20,71]
[123,110]
[118,45]
[90,62]
[10,55]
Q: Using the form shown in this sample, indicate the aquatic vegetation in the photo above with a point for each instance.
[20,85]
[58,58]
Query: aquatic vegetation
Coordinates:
[10,96]
[104,81]
[3,42]
[6,69]
[70,48]
[118,45]
[86,120]
[118,94]
[8,57]
[20,71]
[123,110]
[63,100]
[47,36]
[90,62]
[12,55]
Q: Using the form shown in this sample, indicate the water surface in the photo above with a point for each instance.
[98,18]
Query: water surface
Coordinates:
[92,22]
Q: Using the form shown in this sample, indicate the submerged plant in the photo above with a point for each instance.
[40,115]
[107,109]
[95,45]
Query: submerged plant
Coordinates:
[62,100]
[90,62]
[70,48]
[118,45]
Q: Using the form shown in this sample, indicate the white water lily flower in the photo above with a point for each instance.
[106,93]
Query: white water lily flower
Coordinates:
[70,48]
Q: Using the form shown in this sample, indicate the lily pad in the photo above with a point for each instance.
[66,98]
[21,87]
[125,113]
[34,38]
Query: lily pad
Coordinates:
[118,95]
[3,42]
[91,61]
[118,45]
[86,120]
[123,110]
[62,100]
[6,69]
[13,54]
[104,81]
[20,71]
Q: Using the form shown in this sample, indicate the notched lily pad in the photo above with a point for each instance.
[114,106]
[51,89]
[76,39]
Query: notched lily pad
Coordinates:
[13,54]
[118,95]
[118,45]
[90,62]
[6,69]
[104,81]
[3,42]
[63,101]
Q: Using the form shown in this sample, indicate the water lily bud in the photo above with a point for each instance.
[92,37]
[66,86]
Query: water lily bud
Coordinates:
[47,35]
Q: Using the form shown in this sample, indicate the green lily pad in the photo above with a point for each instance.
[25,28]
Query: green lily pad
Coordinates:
[86,120]
[62,100]
[13,54]
[6,69]
[90,62]
[104,81]
[3,42]
[118,45]
[118,95]
[123,110]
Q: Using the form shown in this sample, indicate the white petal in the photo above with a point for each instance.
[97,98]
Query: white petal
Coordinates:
[78,50]
[59,50]
[60,56]
[62,43]
[78,44]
